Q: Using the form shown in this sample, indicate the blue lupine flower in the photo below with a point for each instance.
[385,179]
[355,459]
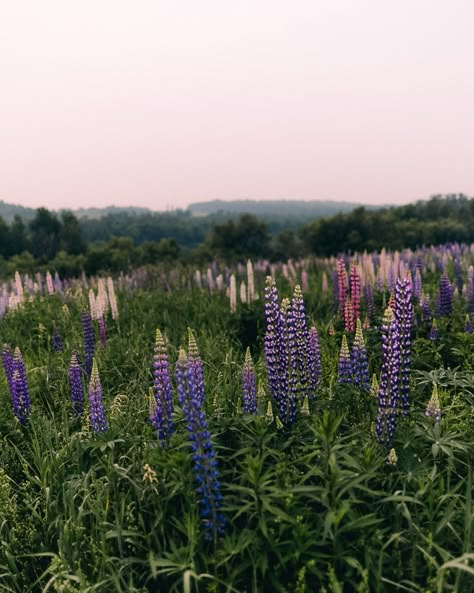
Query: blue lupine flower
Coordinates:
[203,454]
[163,394]
[344,367]
[75,382]
[404,318]
[360,365]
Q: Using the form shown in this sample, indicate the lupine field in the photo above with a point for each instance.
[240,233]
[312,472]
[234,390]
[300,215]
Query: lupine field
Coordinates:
[298,427]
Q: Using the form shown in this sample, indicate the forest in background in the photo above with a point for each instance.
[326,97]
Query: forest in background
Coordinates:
[127,238]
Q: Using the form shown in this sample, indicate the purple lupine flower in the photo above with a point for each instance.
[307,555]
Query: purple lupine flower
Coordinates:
[314,361]
[433,335]
[276,355]
[195,363]
[426,313]
[297,342]
[7,363]
[89,341]
[289,351]
[468,329]
[249,385]
[404,318]
[341,286]
[161,418]
[389,388]
[75,383]
[349,325]
[369,300]
[417,285]
[344,367]
[433,409]
[445,295]
[470,290]
[335,290]
[20,391]
[96,404]
[102,330]
[458,273]
[360,365]
[56,340]
[203,453]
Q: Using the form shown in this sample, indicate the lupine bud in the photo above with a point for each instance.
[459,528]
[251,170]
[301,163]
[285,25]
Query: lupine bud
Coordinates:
[433,409]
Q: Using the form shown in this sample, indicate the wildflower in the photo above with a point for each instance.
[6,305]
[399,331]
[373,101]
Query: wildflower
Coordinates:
[96,404]
[249,385]
[392,458]
[468,329]
[374,386]
[348,316]
[75,382]
[56,340]
[354,282]
[297,347]
[195,363]
[344,364]
[433,335]
[250,282]
[369,300]
[20,393]
[233,294]
[360,365]
[433,409]
[203,454]
[470,289]
[102,330]
[426,313]
[305,407]
[89,341]
[389,380]
[341,285]
[445,295]
[161,417]
[404,317]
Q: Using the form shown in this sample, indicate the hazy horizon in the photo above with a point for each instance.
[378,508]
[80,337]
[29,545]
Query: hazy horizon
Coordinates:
[163,104]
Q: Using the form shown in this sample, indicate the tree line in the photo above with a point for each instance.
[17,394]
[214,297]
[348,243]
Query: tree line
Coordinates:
[121,241]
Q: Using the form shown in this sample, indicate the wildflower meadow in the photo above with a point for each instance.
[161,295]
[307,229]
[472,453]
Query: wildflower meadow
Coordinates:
[299,427]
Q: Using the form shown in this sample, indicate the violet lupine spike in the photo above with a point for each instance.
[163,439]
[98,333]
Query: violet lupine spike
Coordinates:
[445,295]
[89,341]
[289,349]
[354,282]
[470,290]
[341,286]
[417,285]
[56,340]
[203,453]
[360,365]
[195,362]
[404,318]
[344,366]
[96,404]
[369,300]
[21,393]
[75,383]
[349,317]
[433,409]
[249,385]
[468,328]
[426,313]
[7,363]
[161,418]
[389,388]
[434,332]
[276,355]
[314,361]
[298,340]
[102,330]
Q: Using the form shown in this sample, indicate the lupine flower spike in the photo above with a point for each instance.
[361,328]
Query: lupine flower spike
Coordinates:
[468,329]
[75,382]
[20,391]
[249,395]
[163,393]
[433,335]
[314,361]
[195,363]
[404,317]
[96,404]
[89,341]
[344,367]
[203,454]
[360,365]
[433,409]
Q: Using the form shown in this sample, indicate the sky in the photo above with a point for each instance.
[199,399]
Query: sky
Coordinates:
[162,103]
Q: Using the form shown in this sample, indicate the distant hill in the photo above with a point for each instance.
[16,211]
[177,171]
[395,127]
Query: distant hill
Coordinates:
[9,211]
[274,208]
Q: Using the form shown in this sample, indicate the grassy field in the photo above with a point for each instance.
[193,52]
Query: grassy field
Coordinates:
[315,505]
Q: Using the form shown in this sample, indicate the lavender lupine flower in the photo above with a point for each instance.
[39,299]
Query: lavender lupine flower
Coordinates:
[276,355]
[249,385]
[404,317]
[96,404]
[389,381]
[433,409]
[20,391]
[445,295]
[203,454]
[468,329]
[369,300]
[426,313]
[102,330]
[75,382]
[7,363]
[341,285]
[290,353]
[297,343]
[354,282]
[349,325]
[470,290]
[56,340]
[195,363]
[433,335]
[360,365]
[161,418]
[417,285]
[314,361]
[89,341]
[344,367]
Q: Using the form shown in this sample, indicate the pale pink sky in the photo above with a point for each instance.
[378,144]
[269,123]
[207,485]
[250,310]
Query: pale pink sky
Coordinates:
[154,103]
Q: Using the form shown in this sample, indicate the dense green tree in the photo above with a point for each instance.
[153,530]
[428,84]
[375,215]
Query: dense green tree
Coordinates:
[45,229]
[70,235]
[246,237]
